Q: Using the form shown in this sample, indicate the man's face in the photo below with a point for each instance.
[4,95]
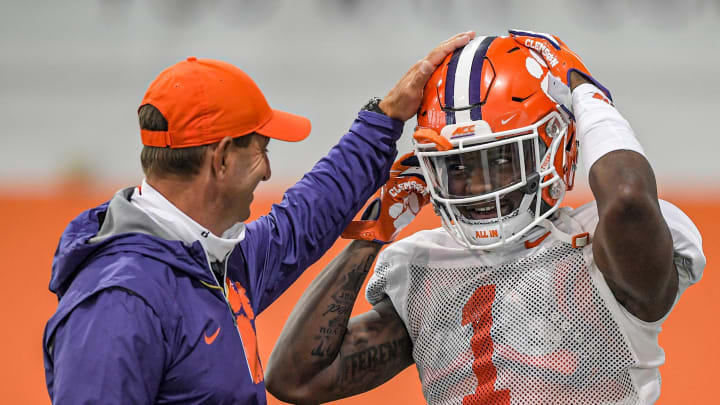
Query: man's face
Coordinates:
[247,167]
[482,172]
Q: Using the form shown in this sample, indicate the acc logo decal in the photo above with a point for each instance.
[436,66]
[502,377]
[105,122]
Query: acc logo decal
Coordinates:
[466,130]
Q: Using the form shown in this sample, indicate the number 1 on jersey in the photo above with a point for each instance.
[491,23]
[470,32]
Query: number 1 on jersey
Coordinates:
[478,312]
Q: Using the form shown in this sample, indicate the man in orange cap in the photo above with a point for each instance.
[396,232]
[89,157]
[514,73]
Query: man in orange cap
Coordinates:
[159,287]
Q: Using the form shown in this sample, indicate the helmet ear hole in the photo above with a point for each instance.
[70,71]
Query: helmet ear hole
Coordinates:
[533,182]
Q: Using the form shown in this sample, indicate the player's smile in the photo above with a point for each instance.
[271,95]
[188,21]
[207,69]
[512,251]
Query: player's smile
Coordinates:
[487,209]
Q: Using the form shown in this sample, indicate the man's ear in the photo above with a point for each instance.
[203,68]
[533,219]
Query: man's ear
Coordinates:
[219,156]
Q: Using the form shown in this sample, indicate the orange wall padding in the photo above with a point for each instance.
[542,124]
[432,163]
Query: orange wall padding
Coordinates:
[31,225]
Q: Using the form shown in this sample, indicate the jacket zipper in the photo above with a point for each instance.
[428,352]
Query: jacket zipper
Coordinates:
[224,288]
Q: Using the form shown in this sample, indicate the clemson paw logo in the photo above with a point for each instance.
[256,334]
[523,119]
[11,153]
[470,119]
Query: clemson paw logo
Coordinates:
[404,212]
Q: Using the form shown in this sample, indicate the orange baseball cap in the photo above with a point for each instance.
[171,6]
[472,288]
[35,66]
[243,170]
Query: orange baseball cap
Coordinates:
[205,100]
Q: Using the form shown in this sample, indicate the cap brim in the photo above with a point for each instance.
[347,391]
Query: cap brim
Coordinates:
[284,126]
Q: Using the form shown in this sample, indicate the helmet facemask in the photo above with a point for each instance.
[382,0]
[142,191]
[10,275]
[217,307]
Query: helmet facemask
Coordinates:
[488,187]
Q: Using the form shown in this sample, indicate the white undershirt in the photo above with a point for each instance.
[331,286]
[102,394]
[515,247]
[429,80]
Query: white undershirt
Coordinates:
[175,222]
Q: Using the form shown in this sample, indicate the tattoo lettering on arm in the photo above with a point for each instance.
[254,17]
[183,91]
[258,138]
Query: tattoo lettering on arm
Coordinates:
[370,359]
[338,311]
[376,347]
[328,334]
[344,298]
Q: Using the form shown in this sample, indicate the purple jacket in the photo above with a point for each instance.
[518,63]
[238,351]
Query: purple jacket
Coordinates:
[141,319]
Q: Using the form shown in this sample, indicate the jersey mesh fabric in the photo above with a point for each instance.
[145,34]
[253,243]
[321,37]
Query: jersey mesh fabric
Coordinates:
[531,330]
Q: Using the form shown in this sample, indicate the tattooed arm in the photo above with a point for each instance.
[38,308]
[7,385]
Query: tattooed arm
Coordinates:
[322,355]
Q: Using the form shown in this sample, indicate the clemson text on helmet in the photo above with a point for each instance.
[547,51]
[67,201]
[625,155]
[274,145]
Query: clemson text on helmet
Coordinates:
[544,50]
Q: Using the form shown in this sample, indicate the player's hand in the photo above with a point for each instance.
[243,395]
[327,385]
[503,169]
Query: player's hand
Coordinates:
[561,62]
[394,206]
[403,101]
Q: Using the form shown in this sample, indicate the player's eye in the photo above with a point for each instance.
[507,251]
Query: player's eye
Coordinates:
[456,169]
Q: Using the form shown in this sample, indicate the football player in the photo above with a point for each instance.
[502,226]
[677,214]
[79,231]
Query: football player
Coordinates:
[515,299]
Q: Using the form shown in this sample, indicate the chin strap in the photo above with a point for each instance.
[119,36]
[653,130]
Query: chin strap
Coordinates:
[575,240]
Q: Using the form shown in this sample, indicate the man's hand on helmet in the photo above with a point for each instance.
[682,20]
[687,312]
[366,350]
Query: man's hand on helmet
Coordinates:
[560,60]
[394,206]
[403,100]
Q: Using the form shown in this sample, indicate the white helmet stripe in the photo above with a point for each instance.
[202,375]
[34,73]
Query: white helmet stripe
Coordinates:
[462,79]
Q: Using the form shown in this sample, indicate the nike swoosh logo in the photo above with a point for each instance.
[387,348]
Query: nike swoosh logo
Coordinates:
[210,339]
[503,122]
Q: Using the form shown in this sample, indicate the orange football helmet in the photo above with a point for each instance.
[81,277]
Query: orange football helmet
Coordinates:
[498,153]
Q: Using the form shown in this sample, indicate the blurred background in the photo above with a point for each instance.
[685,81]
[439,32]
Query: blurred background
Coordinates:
[72,75]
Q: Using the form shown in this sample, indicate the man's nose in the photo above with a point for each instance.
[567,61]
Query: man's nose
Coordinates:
[479,183]
[268,172]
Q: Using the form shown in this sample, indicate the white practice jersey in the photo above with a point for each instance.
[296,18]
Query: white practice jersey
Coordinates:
[526,326]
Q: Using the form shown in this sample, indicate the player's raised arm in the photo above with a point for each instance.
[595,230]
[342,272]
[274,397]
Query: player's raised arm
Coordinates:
[323,355]
[632,245]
